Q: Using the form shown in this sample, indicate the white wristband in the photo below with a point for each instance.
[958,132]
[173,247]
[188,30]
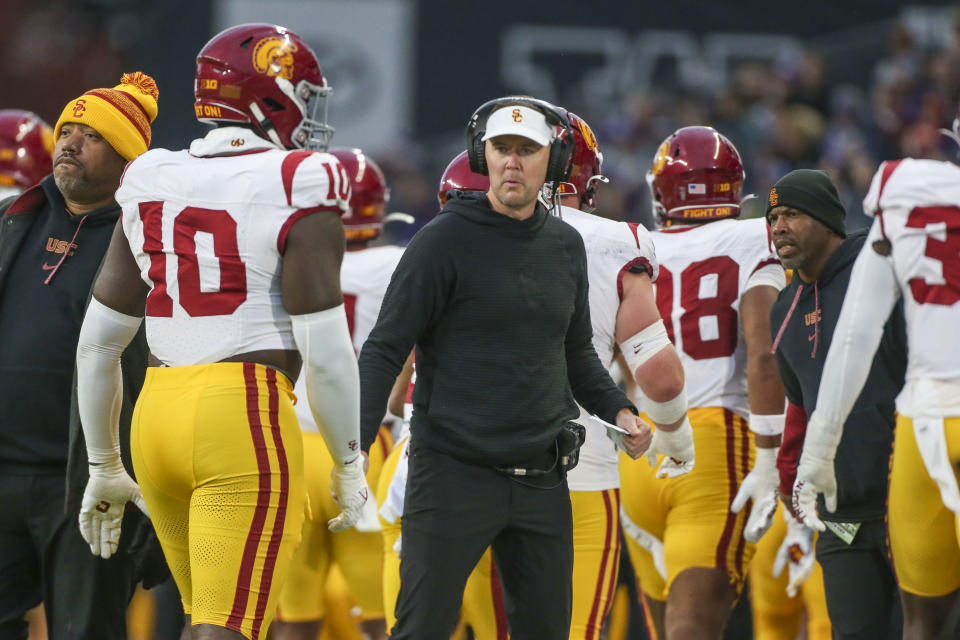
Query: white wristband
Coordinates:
[667,412]
[767,425]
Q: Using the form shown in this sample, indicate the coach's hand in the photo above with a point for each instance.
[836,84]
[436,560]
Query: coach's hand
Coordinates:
[638,437]
[349,488]
[676,446]
[761,486]
[101,512]
[797,551]
[815,475]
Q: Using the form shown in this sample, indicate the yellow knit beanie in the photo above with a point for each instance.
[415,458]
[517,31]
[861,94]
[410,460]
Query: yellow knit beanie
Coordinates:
[122,115]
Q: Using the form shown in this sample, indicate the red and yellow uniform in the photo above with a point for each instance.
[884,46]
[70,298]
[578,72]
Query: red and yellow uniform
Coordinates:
[227,504]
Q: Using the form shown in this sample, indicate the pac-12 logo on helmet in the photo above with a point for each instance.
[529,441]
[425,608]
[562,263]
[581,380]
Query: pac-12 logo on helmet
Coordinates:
[586,171]
[369,195]
[696,176]
[458,177]
[268,77]
[26,146]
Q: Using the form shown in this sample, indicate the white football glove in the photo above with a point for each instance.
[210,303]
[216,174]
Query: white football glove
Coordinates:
[108,491]
[349,488]
[814,476]
[797,552]
[677,447]
[760,485]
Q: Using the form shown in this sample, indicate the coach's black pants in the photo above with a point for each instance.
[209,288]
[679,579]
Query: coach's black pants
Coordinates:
[862,597]
[452,513]
[44,558]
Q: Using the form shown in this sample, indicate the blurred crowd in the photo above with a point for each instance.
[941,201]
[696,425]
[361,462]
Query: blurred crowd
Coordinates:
[781,116]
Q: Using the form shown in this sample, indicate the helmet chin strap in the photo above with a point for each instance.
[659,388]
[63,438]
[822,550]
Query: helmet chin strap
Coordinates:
[265,124]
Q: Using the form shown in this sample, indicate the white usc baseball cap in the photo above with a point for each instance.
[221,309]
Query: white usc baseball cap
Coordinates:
[517,120]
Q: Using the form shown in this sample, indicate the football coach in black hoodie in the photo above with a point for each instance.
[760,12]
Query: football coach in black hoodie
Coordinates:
[807,225]
[493,293]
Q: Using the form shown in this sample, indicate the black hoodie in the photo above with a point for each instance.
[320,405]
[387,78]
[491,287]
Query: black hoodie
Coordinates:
[809,313]
[48,261]
[498,310]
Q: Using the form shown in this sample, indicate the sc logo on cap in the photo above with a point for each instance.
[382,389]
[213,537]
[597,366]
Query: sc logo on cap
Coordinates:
[79,107]
[517,115]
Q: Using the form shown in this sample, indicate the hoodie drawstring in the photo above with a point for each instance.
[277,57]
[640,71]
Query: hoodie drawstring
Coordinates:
[783,325]
[816,319]
[65,253]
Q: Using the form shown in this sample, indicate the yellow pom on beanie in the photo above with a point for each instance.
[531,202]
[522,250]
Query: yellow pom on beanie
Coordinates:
[122,115]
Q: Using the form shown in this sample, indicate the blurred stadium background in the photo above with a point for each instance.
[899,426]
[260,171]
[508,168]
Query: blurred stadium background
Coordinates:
[834,85]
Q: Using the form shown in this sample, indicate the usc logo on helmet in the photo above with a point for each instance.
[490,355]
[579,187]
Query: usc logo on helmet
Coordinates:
[587,133]
[660,159]
[274,56]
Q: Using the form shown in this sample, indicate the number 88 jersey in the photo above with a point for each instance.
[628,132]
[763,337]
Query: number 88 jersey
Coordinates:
[208,229]
[704,269]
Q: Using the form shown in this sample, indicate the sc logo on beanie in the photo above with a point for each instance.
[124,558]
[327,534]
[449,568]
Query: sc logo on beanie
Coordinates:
[79,107]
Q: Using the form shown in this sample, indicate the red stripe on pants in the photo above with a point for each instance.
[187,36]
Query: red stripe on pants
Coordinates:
[266,579]
[744,470]
[496,594]
[592,626]
[263,500]
[615,561]
[724,545]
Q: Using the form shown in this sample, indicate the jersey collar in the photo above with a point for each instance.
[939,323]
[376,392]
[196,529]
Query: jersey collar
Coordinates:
[229,141]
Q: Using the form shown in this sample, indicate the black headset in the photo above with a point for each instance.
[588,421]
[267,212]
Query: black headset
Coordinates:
[561,148]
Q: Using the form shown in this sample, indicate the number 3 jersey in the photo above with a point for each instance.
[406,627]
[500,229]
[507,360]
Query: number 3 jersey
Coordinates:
[208,230]
[704,269]
[916,205]
[613,249]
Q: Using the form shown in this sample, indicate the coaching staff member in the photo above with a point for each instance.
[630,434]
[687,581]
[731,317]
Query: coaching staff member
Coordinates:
[493,293]
[806,222]
[52,240]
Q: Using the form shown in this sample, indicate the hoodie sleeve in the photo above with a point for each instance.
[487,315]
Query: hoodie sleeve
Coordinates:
[415,299]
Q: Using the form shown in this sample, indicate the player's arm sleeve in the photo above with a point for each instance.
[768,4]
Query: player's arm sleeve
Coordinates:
[330,376]
[871,296]
[104,335]
[415,298]
[589,380]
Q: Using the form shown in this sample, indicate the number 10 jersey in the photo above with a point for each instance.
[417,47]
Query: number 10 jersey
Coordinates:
[208,229]
[704,269]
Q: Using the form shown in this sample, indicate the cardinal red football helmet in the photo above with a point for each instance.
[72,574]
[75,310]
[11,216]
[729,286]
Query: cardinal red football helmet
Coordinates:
[458,177]
[587,162]
[26,145]
[697,176]
[368,196]
[266,76]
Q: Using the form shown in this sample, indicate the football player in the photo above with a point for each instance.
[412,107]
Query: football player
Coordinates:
[232,251]
[718,279]
[912,251]
[621,268]
[26,145]
[364,277]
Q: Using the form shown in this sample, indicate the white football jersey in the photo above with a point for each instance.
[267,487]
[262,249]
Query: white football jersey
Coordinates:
[208,228]
[917,208]
[364,276]
[704,269]
[613,248]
